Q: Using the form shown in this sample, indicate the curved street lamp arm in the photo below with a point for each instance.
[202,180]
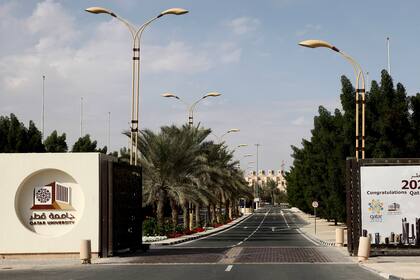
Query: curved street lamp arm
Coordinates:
[358,72]
[131,27]
[183,102]
[219,139]
[192,107]
[139,32]
[359,77]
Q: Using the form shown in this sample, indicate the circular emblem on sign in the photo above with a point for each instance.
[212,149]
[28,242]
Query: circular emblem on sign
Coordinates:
[49,202]
[43,195]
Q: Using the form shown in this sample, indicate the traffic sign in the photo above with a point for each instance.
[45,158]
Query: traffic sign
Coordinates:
[315,204]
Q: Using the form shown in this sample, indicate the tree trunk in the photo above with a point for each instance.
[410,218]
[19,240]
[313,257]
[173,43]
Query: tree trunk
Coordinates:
[230,205]
[159,212]
[197,215]
[208,219]
[219,213]
[191,216]
[185,215]
[222,204]
[174,214]
[213,214]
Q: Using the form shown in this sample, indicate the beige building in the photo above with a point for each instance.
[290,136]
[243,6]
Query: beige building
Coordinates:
[264,176]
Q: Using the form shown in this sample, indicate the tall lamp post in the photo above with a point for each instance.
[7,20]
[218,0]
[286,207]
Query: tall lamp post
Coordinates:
[360,87]
[136,33]
[43,107]
[257,195]
[192,106]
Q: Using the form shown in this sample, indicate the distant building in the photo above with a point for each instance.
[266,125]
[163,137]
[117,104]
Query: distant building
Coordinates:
[264,176]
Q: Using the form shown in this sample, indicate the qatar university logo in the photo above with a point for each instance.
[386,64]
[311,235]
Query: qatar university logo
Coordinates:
[54,196]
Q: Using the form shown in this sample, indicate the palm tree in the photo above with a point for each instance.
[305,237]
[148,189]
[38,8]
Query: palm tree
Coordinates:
[169,159]
[182,170]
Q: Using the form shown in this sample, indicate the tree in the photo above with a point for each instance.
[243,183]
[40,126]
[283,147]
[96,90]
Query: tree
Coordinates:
[183,171]
[55,143]
[84,145]
[318,169]
[16,138]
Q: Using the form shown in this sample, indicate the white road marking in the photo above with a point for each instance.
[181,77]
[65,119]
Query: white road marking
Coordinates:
[284,217]
[259,226]
[298,230]
[213,234]
[229,268]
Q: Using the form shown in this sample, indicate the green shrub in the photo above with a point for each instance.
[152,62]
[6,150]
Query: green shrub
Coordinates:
[150,227]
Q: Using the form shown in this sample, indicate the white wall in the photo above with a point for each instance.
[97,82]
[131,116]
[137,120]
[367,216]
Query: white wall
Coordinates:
[20,174]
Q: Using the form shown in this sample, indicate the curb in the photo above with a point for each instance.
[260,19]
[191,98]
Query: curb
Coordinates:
[316,239]
[382,274]
[168,242]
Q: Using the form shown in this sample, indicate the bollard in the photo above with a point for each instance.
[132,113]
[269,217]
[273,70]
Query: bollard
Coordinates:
[339,237]
[85,251]
[364,248]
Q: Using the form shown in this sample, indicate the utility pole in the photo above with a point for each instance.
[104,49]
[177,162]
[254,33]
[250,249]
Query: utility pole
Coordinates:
[367,80]
[257,187]
[43,107]
[389,59]
[109,132]
[81,117]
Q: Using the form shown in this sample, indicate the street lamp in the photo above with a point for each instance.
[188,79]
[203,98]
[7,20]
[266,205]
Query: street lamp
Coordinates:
[242,145]
[192,106]
[360,79]
[220,138]
[136,33]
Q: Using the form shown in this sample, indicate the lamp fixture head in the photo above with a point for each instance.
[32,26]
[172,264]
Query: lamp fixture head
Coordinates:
[318,44]
[212,94]
[100,10]
[168,94]
[173,11]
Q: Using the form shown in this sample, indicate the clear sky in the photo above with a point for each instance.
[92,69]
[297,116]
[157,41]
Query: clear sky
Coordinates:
[246,50]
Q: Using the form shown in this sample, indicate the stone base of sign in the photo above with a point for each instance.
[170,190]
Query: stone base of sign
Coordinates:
[46,256]
[396,251]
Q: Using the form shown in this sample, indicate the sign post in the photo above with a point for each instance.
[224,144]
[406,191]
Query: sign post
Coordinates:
[315,205]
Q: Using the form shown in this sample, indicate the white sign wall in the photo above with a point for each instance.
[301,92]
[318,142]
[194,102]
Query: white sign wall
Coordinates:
[49,202]
[389,194]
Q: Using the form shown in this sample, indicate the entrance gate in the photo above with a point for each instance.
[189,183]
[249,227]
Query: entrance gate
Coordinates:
[120,207]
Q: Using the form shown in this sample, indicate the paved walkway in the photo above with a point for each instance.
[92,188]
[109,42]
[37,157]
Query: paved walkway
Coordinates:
[389,267]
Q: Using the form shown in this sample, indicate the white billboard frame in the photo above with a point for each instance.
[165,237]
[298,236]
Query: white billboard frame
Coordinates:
[390,201]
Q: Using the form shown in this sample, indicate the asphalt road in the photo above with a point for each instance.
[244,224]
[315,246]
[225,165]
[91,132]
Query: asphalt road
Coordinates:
[267,245]
[269,227]
[202,272]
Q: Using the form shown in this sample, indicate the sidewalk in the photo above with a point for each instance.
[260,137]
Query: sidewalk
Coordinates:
[325,231]
[389,267]
[40,261]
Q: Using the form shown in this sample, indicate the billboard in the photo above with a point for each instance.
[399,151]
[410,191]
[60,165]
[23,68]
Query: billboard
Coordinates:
[390,202]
